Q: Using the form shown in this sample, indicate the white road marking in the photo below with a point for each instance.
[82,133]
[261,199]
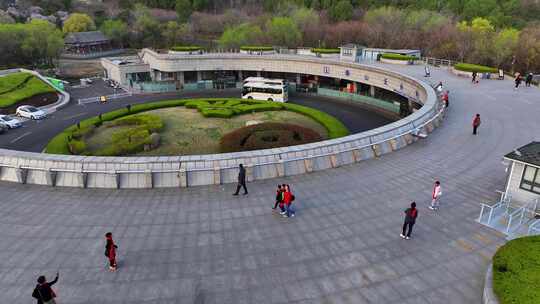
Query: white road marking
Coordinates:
[20,137]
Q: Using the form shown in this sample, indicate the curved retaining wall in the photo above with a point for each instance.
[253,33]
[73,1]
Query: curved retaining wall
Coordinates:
[184,171]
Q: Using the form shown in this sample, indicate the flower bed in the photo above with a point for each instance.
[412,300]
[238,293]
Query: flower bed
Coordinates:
[516,271]
[266,136]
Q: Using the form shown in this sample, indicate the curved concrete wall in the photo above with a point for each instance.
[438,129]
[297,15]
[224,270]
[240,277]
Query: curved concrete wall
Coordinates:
[184,171]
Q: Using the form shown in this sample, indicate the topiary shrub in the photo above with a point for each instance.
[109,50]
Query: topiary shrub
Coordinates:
[467,67]
[186,48]
[256,48]
[392,56]
[325,51]
[266,136]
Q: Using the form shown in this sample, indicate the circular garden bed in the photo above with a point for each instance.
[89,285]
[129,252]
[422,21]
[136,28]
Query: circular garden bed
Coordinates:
[516,271]
[196,126]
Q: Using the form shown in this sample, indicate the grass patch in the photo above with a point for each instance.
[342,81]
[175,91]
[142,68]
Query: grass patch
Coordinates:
[516,271]
[211,108]
[186,48]
[325,51]
[19,86]
[398,57]
[468,67]
[256,48]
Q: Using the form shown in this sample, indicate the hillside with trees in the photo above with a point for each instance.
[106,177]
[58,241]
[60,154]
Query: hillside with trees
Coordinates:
[499,33]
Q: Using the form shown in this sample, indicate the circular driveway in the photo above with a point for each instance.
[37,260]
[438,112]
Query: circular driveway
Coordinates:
[34,135]
[202,245]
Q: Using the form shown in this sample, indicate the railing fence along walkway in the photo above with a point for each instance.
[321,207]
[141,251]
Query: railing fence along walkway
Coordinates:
[513,221]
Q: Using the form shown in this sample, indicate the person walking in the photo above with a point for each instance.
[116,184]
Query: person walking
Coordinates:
[241,180]
[474,76]
[528,80]
[43,292]
[445,99]
[410,218]
[475,124]
[435,196]
[279,196]
[288,198]
[110,251]
[517,81]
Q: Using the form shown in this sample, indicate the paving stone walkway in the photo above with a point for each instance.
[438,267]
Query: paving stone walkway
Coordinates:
[202,245]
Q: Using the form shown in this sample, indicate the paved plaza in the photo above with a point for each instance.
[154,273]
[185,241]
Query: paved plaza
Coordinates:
[202,245]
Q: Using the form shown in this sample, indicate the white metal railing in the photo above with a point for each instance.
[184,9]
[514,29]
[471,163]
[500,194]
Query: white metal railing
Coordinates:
[520,214]
[504,202]
[438,61]
[534,228]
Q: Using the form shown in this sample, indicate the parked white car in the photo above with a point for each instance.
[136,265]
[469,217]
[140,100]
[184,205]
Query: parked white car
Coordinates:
[10,122]
[30,112]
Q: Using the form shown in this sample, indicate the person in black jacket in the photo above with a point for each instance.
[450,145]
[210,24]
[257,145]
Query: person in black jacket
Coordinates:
[410,218]
[43,291]
[241,180]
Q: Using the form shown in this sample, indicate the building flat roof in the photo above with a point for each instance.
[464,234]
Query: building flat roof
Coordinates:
[530,154]
[85,37]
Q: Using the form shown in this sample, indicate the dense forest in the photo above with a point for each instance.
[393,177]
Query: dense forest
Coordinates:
[501,33]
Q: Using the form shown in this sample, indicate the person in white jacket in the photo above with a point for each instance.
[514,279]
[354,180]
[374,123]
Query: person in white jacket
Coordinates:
[435,196]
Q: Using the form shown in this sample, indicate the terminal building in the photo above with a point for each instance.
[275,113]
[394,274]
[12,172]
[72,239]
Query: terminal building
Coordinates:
[155,71]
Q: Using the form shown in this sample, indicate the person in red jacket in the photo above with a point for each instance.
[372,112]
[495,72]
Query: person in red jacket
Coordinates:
[410,218]
[110,251]
[288,198]
[476,123]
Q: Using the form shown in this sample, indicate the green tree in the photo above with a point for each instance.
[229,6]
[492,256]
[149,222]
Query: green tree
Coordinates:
[342,11]
[284,32]
[78,22]
[116,30]
[42,41]
[243,34]
[504,46]
[183,10]
[146,27]
[174,33]
[201,5]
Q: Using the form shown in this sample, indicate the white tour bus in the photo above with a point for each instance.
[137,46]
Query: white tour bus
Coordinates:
[265,89]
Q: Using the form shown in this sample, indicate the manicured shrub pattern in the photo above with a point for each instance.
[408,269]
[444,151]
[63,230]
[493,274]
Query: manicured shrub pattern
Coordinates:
[398,57]
[20,88]
[516,271]
[467,67]
[266,136]
[325,51]
[219,108]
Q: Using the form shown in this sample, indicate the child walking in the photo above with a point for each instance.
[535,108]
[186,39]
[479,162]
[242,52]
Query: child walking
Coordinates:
[435,196]
[410,218]
[110,251]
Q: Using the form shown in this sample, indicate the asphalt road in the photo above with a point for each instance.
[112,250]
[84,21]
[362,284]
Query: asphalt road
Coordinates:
[34,135]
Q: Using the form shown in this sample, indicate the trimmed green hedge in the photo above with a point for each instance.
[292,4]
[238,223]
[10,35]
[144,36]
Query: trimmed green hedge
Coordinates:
[256,48]
[30,87]
[325,51]
[12,81]
[398,57]
[516,271]
[186,48]
[468,67]
[214,107]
